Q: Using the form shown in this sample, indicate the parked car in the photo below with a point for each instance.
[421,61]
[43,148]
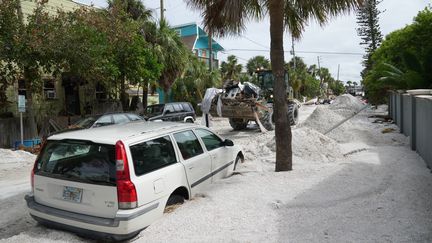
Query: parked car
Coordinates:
[177,111]
[112,182]
[105,120]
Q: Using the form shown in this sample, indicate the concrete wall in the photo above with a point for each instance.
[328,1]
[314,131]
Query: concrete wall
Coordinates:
[423,124]
[407,115]
[399,109]
[413,115]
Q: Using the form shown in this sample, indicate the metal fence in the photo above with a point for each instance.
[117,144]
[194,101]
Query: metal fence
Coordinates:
[413,115]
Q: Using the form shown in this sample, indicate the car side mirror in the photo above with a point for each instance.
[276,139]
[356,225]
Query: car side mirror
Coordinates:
[228,143]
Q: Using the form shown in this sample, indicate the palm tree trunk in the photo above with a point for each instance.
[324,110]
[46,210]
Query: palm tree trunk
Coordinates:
[283,134]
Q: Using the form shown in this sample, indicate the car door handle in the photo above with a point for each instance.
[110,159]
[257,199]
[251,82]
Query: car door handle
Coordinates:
[191,167]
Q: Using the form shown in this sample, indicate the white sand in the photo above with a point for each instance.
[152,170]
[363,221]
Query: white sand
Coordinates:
[380,191]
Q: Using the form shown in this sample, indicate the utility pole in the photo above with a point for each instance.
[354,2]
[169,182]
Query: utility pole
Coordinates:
[161,10]
[321,81]
[319,70]
[338,72]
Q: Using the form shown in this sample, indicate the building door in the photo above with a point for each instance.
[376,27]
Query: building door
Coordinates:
[71,91]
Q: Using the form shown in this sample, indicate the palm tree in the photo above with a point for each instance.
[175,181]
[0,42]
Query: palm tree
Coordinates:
[355,84]
[349,83]
[170,50]
[135,8]
[257,62]
[230,17]
[230,69]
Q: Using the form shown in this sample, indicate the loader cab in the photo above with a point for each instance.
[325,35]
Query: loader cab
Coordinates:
[266,83]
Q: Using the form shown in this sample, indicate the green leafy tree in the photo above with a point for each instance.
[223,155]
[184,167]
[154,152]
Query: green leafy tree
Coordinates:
[310,87]
[32,54]
[369,30]
[337,87]
[405,55]
[134,8]
[10,27]
[230,17]
[135,61]
[170,52]
[194,82]
[231,69]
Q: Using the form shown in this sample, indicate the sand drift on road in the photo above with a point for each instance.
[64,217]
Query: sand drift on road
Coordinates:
[354,184]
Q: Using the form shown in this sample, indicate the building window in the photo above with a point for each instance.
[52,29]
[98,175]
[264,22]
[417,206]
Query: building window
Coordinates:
[49,89]
[204,53]
[101,94]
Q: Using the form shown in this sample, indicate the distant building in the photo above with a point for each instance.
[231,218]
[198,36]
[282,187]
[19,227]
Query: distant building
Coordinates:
[27,6]
[67,95]
[196,39]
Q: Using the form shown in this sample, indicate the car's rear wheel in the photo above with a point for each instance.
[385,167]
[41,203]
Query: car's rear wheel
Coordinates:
[173,202]
[175,199]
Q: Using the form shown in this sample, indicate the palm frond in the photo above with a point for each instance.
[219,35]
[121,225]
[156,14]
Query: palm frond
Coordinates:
[227,17]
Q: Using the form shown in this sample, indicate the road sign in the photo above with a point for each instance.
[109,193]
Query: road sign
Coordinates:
[21,103]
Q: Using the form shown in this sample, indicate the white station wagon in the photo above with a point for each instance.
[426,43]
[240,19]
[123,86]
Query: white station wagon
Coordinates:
[112,182]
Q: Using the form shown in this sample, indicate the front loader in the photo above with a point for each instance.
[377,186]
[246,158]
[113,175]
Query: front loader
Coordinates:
[241,103]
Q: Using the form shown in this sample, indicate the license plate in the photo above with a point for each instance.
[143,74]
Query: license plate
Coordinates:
[72,194]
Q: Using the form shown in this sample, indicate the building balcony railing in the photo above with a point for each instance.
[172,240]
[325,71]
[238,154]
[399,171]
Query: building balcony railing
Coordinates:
[206,60]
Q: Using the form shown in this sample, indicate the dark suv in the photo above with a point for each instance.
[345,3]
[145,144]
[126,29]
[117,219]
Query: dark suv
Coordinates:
[177,111]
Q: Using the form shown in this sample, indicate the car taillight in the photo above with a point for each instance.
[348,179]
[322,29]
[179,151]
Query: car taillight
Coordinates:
[126,192]
[36,164]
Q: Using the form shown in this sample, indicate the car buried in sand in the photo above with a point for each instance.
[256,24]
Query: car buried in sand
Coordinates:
[111,182]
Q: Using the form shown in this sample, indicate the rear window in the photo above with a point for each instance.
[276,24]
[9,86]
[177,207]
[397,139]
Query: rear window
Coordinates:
[80,161]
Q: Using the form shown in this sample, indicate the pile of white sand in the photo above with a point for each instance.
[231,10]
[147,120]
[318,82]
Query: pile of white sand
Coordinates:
[16,158]
[309,144]
[322,119]
[325,117]
[347,104]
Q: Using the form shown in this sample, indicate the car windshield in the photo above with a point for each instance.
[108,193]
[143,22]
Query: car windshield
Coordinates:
[78,160]
[154,110]
[86,122]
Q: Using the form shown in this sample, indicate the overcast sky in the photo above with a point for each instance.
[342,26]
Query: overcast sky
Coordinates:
[339,35]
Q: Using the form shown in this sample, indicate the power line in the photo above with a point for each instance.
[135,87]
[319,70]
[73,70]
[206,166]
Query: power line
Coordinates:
[307,52]
[241,58]
[257,43]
